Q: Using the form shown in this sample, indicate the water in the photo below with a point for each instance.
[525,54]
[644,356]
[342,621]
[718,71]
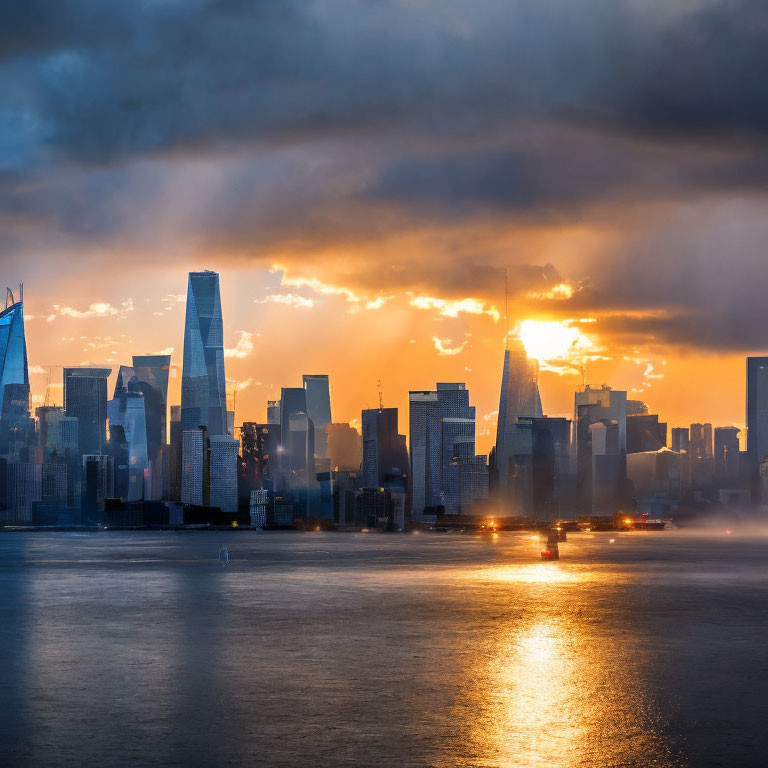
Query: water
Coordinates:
[327,649]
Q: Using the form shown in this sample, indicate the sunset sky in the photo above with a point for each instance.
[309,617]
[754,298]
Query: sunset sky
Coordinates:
[362,173]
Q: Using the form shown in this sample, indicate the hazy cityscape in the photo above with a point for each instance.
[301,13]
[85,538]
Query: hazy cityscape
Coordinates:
[383,384]
[129,458]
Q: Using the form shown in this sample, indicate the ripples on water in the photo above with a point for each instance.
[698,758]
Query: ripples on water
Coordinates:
[371,650]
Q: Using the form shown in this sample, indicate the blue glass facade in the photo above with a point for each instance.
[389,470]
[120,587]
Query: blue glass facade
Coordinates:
[14,374]
[127,409]
[203,384]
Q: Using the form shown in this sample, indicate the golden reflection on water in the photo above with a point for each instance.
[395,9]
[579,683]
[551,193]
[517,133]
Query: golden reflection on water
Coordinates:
[537,714]
[551,681]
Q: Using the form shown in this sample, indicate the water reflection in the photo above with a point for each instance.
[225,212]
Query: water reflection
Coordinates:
[553,683]
[537,710]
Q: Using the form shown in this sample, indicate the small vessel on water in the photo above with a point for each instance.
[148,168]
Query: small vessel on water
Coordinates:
[223,556]
[552,551]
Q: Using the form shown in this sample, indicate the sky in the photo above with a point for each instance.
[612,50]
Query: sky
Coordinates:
[363,174]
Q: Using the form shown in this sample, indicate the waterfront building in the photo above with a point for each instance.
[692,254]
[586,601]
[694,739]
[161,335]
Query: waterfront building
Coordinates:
[757,419]
[15,424]
[196,467]
[223,473]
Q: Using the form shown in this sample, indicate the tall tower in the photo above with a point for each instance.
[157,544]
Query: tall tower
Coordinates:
[14,375]
[203,385]
[757,419]
[519,398]
[318,395]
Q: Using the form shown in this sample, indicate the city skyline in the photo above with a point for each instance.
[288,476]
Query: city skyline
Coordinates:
[637,228]
[351,393]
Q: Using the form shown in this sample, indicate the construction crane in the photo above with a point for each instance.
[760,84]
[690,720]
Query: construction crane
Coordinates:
[381,396]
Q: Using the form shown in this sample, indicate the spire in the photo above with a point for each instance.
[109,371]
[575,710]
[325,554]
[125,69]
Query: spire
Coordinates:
[506,313]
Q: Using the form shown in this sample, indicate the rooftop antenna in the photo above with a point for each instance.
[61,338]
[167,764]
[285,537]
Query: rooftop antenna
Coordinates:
[381,396]
[506,313]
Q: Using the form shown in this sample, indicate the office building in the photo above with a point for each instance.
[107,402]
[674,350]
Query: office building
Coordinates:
[223,473]
[345,447]
[645,433]
[601,450]
[726,458]
[152,372]
[318,399]
[203,383]
[175,461]
[273,411]
[757,419]
[519,398]
[14,377]
[385,458]
[85,399]
[196,467]
[551,474]
[128,409]
[258,508]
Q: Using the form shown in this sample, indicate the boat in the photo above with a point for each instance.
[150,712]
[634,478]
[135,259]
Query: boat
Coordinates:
[550,553]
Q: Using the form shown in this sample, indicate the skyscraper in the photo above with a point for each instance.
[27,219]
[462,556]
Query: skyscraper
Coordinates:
[14,374]
[152,372]
[757,416]
[85,398]
[519,398]
[196,467]
[292,400]
[424,410]
[224,451]
[203,384]
[318,397]
[385,459]
[128,410]
[601,448]
[726,467]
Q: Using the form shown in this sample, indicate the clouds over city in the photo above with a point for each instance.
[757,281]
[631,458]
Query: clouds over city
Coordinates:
[609,155]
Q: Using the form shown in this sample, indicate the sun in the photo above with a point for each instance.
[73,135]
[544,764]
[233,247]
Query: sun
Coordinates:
[552,340]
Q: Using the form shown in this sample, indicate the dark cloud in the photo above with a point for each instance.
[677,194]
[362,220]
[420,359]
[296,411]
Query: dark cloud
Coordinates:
[290,126]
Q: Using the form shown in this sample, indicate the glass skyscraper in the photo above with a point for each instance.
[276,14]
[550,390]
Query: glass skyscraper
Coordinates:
[128,409]
[757,417]
[318,394]
[14,374]
[519,398]
[203,385]
[152,373]
[85,398]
